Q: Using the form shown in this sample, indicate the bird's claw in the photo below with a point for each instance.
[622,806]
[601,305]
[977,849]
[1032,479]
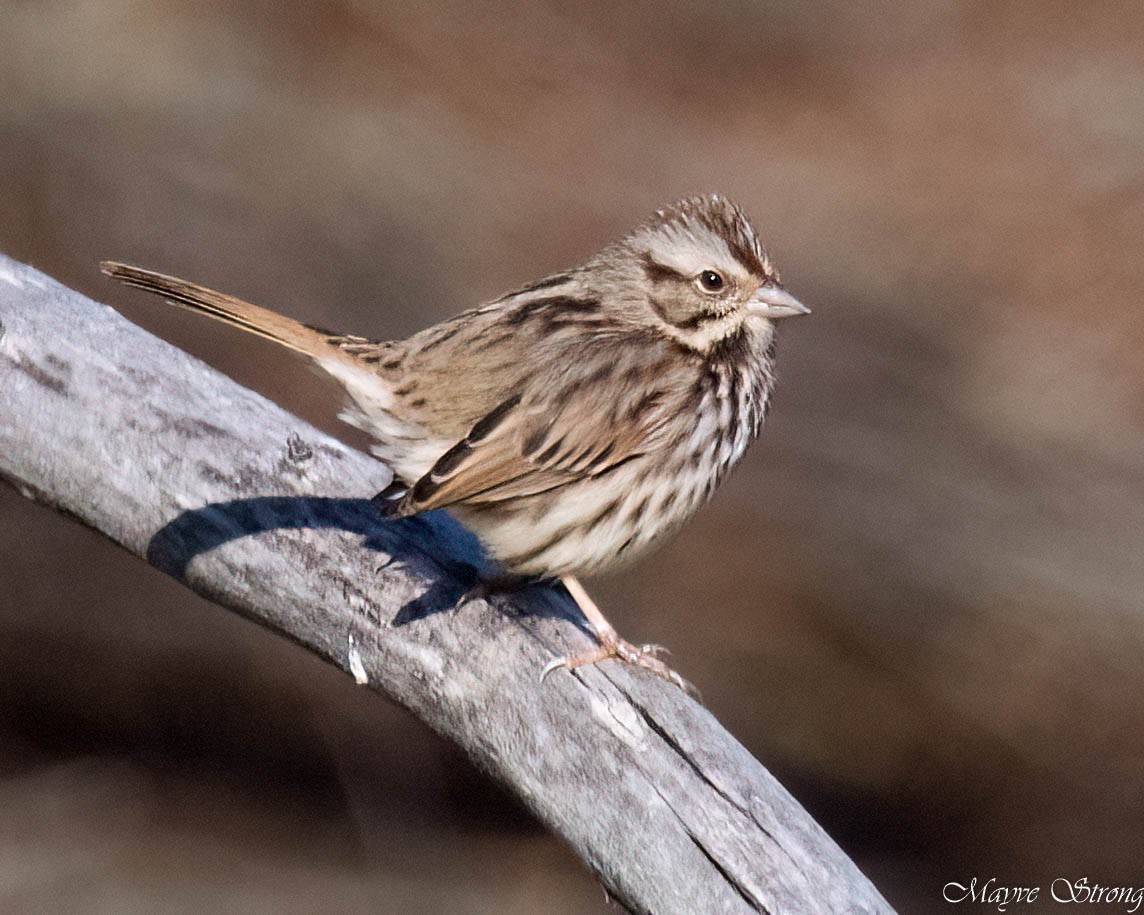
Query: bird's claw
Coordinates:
[551,666]
[618,649]
[476,592]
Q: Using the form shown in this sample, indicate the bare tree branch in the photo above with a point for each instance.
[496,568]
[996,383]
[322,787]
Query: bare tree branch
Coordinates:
[264,514]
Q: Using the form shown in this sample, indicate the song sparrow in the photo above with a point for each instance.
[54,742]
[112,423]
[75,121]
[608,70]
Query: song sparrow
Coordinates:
[575,422]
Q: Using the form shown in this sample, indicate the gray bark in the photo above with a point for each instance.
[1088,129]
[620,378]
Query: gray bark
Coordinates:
[265,515]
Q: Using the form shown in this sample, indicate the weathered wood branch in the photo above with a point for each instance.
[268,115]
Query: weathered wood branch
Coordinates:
[264,514]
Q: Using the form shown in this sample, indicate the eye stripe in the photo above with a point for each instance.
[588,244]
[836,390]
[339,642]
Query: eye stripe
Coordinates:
[658,272]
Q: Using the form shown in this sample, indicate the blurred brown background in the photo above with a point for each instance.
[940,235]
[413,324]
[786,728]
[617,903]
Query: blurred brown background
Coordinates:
[919,599]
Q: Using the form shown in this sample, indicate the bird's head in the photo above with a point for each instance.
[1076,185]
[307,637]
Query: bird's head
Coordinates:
[698,272]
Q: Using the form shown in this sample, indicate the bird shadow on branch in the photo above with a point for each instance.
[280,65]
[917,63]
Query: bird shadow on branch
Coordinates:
[458,562]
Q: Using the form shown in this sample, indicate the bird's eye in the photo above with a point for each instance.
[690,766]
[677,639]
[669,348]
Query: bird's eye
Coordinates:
[710,281]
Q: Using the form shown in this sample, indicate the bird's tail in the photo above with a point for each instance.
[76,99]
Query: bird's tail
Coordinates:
[324,347]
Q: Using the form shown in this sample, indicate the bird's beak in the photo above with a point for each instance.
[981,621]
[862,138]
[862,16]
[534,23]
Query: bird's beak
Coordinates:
[772,301]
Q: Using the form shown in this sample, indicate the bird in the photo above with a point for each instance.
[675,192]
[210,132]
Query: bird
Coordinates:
[571,424]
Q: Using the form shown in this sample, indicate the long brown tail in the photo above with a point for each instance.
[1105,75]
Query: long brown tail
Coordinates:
[320,345]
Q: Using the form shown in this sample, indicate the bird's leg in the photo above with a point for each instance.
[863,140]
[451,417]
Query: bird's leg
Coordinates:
[605,631]
[611,645]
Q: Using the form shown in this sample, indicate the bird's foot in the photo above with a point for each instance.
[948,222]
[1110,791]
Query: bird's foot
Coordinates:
[612,647]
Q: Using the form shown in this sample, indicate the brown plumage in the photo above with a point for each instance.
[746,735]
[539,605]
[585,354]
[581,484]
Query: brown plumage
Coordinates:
[575,422]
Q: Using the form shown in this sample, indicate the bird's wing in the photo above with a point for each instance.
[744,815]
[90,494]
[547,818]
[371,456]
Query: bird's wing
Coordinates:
[584,423]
